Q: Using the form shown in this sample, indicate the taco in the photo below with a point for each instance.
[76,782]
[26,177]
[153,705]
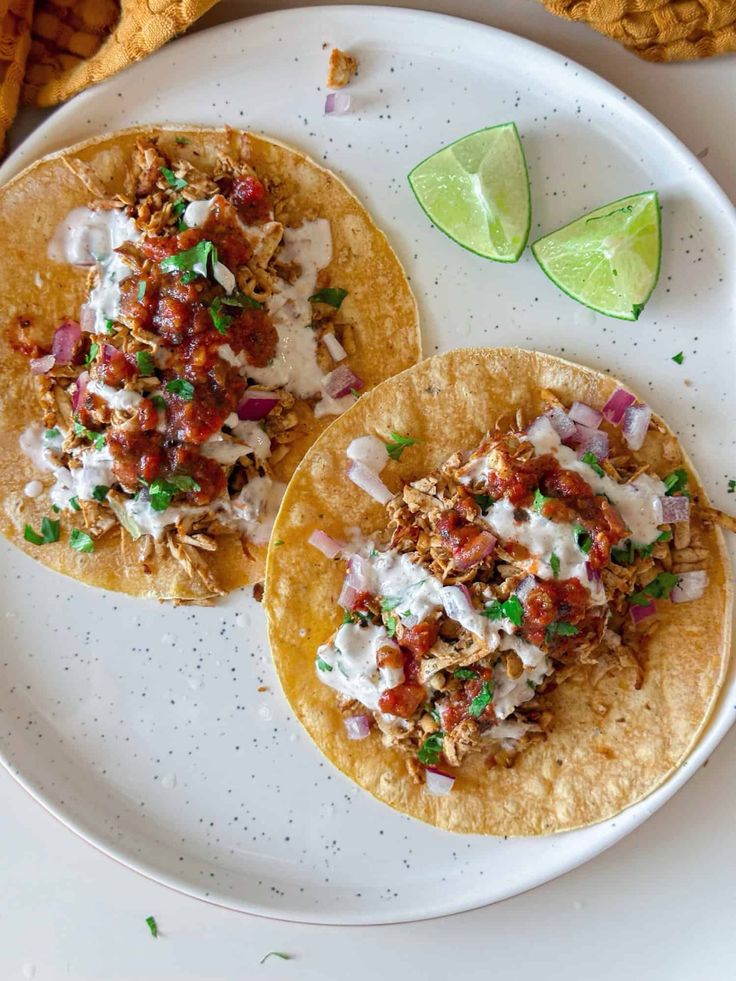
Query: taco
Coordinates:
[520,618]
[183,312]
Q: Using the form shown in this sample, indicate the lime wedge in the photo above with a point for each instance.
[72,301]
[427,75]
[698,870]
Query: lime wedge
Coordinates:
[609,259]
[476,190]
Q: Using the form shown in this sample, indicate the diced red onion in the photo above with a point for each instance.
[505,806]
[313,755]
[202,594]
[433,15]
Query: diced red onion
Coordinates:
[675,509]
[66,343]
[525,587]
[691,586]
[593,441]
[341,382]
[594,575]
[369,481]
[483,545]
[438,782]
[256,404]
[39,366]
[355,583]
[358,726]
[561,422]
[337,351]
[328,546]
[639,613]
[337,103]
[635,425]
[80,390]
[456,602]
[615,407]
[87,318]
[585,414]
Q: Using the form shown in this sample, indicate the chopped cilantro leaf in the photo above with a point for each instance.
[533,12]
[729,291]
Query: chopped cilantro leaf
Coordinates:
[52,433]
[323,665]
[678,358]
[220,320]
[55,508]
[582,539]
[389,603]
[80,541]
[32,536]
[531,684]
[658,588]
[665,536]
[238,299]
[355,393]
[181,387]
[539,500]
[160,491]
[94,350]
[181,140]
[145,363]
[511,609]
[332,296]
[100,492]
[560,629]
[592,460]
[98,439]
[398,444]
[74,501]
[159,401]
[554,563]
[481,700]
[50,530]
[465,674]
[141,290]
[109,326]
[429,751]
[199,255]
[391,624]
[152,926]
[731,486]
[179,207]
[483,501]
[347,617]
[275,953]
[279,541]
[675,481]
[172,180]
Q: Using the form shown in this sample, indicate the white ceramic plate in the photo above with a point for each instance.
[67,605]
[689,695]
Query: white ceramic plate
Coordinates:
[141,726]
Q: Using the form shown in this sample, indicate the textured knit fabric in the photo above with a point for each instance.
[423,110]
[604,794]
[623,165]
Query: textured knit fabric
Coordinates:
[659,30]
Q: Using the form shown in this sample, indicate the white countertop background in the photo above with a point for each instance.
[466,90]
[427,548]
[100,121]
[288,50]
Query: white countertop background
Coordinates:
[659,906]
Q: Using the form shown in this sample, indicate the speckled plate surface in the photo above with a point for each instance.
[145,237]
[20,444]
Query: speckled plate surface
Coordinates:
[141,726]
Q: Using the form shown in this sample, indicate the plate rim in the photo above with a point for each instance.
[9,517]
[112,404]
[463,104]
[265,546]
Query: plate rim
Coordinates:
[719,722]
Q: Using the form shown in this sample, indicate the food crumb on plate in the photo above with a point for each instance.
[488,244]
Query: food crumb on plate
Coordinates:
[341,68]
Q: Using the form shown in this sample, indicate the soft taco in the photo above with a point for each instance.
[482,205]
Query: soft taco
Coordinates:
[517,616]
[183,311]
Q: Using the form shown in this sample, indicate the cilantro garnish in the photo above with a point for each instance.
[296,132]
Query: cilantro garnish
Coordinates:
[731,486]
[184,262]
[238,299]
[511,609]
[323,665]
[141,290]
[675,481]
[179,207]
[145,362]
[279,541]
[347,617]
[531,684]
[55,508]
[355,393]
[74,501]
[389,603]
[332,296]
[181,387]
[429,751]
[391,624]
[678,358]
[592,460]
[398,444]
[98,439]
[220,320]
[560,629]
[172,180]
[481,700]
[152,926]
[51,433]
[181,140]
[159,401]
[94,350]
[109,326]
[539,500]
[275,953]
[100,492]
[582,539]
[484,502]
[465,674]
[50,530]
[554,563]
[80,541]
[658,588]
[32,536]
[160,491]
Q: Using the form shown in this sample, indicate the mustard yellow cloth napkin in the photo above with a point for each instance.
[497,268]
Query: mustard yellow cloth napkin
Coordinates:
[659,30]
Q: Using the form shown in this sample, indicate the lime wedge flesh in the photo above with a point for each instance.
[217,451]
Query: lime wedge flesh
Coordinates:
[608,259]
[477,191]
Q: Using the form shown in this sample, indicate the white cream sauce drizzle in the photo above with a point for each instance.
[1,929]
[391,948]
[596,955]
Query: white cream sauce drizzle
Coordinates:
[117,398]
[349,663]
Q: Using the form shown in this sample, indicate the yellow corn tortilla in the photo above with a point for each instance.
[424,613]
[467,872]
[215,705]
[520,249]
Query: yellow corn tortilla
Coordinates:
[610,744]
[379,303]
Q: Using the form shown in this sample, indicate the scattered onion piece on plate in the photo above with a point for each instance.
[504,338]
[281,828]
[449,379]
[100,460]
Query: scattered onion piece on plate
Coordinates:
[328,546]
[337,103]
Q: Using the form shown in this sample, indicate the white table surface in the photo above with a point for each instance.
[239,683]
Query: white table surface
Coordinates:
[659,905]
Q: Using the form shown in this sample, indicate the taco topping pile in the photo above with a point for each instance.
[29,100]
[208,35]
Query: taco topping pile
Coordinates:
[164,406]
[541,553]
